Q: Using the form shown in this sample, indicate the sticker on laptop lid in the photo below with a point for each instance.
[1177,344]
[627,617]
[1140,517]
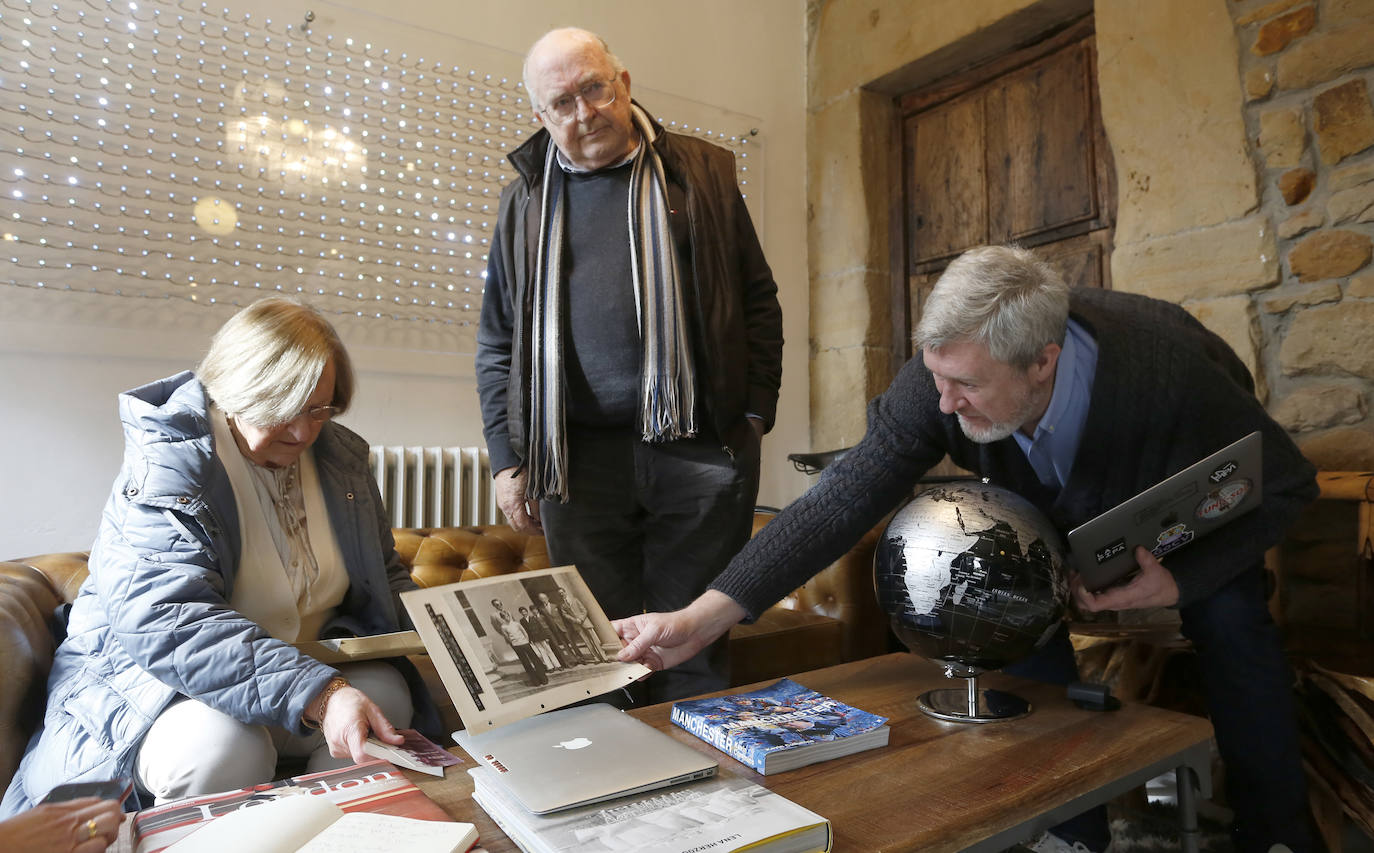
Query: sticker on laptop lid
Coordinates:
[1226,469]
[1223,499]
[1172,538]
[1106,552]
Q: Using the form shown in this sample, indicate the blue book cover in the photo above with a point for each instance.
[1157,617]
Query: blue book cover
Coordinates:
[780,727]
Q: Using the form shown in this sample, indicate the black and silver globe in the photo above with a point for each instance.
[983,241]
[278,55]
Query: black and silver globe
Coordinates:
[973,578]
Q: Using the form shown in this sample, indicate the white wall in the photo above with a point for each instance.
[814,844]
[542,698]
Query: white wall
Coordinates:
[64,357]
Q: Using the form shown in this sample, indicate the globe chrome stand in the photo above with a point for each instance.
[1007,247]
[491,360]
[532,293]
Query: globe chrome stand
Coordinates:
[971,705]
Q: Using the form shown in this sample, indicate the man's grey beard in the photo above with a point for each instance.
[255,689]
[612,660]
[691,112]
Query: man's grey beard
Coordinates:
[1027,407]
[988,434]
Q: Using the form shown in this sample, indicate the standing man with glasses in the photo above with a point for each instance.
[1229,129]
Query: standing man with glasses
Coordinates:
[630,348]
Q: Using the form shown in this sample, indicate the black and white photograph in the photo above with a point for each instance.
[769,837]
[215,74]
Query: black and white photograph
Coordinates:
[512,646]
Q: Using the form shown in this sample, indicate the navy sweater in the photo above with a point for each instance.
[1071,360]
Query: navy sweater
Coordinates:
[1167,392]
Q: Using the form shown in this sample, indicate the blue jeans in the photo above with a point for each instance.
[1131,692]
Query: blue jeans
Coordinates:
[1249,693]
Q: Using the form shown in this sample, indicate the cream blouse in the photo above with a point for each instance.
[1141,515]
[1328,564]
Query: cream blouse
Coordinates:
[289,581]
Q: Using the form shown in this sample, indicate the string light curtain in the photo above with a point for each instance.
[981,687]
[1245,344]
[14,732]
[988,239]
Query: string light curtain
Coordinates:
[189,152]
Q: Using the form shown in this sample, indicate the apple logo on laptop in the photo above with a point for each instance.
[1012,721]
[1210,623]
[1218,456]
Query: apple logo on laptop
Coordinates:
[574,743]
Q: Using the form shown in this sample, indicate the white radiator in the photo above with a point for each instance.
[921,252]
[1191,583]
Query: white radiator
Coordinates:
[435,486]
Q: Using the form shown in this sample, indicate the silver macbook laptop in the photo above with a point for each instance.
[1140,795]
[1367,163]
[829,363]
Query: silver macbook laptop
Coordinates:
[1168,515]
[582,755]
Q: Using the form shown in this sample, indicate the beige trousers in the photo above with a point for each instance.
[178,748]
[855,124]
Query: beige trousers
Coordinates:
[192,749]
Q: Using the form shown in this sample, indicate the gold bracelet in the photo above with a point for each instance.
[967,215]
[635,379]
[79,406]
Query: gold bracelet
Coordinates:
[335,684]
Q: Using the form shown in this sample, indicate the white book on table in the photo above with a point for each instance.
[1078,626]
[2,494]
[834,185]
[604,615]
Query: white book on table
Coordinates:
[721,813]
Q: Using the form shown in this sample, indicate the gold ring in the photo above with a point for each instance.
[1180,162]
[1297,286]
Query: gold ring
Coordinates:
[90,828]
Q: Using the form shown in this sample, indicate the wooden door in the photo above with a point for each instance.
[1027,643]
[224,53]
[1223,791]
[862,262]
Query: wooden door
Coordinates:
[1011,151]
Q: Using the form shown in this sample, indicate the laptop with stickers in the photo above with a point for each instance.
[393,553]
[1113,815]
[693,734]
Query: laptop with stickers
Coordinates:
[581,755]
[1169,515]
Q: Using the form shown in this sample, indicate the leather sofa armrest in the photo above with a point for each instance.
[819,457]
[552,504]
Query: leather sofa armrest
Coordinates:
[28,598]
[65,571]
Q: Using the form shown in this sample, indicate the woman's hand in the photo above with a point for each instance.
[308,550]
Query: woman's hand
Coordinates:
[347,717]
[87,825]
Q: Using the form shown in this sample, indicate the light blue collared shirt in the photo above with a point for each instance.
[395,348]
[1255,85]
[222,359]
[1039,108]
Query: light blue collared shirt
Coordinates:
[1052,449]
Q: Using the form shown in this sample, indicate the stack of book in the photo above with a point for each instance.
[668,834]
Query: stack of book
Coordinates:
[720,813]
[771,730]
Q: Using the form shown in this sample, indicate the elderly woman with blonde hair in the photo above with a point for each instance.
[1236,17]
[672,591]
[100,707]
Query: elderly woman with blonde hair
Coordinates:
[243,520]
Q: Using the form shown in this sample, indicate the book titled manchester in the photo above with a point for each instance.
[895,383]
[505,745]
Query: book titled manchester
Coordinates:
[781,727]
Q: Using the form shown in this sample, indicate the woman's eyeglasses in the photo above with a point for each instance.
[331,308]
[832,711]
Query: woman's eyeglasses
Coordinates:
[320,414]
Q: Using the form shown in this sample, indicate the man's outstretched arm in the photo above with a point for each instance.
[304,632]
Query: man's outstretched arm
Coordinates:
[664,640]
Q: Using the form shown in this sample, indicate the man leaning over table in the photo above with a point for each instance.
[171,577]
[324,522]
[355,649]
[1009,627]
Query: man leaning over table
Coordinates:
[1077,400]
[630,347]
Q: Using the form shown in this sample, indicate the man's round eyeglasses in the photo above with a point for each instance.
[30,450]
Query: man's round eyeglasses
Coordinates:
[596,94]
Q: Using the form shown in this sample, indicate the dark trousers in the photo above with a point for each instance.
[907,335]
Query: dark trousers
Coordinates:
[650,525]
[584,634]
[1249,693]
[534,668]
[558,638]
[1054,663]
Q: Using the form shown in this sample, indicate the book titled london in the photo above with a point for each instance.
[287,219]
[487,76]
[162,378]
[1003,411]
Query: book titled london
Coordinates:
[781,727]
[361,803]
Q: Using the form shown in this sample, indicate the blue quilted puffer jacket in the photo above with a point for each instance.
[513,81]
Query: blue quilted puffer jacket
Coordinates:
[153,621]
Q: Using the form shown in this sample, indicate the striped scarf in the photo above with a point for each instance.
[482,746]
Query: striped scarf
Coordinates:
[667,407]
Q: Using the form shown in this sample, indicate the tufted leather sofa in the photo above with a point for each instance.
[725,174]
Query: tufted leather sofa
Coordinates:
[833,618]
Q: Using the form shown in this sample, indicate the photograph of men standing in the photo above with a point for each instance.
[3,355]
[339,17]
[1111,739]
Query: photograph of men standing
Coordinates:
[630,347]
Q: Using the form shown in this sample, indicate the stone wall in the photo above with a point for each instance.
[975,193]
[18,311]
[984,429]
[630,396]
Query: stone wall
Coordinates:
[1243,138]
[1307,70]
[1188,224]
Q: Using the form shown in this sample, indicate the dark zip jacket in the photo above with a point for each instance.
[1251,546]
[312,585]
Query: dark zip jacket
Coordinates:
[732,301]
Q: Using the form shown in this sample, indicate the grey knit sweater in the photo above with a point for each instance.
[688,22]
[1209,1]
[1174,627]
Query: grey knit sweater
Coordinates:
[1166,393]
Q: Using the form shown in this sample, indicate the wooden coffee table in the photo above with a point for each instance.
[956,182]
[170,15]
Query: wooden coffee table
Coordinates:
[940,786]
